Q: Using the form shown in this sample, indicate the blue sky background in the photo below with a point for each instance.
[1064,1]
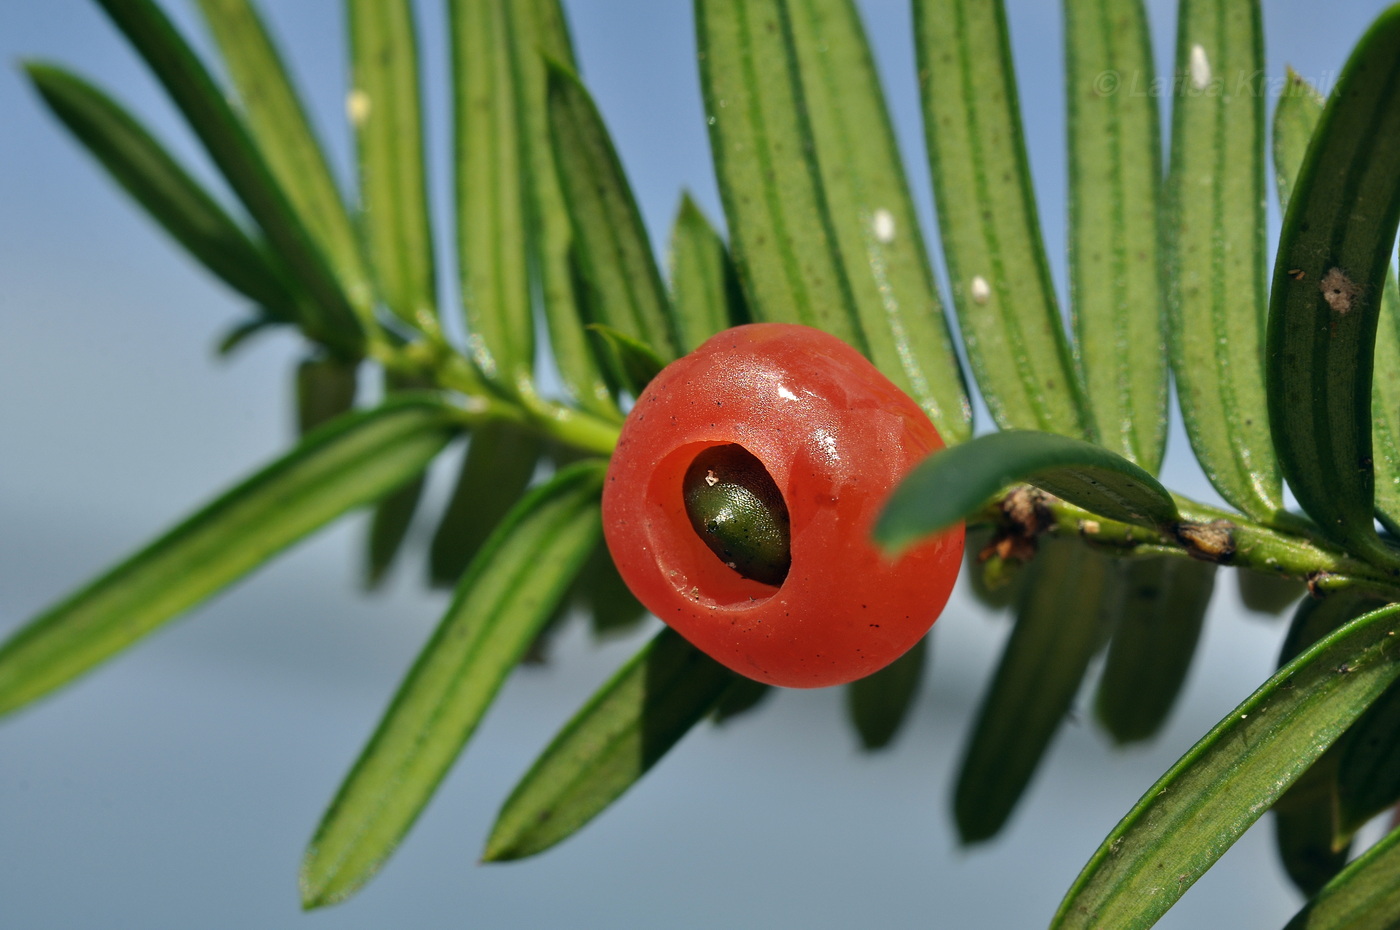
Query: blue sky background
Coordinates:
[177,786]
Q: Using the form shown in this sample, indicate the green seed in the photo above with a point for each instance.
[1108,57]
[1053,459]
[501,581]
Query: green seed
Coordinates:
[739,512]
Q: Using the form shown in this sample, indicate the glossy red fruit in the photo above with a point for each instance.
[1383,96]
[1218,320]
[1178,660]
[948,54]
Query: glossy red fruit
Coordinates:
[834,437]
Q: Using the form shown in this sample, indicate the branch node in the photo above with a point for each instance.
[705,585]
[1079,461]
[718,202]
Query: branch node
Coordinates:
[1209,542]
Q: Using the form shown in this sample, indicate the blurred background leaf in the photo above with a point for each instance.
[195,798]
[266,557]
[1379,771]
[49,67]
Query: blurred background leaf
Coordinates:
[509,591]
[1059,627]
[614,739]
[348,463]
[499,464]
[1157,628]
[879,704]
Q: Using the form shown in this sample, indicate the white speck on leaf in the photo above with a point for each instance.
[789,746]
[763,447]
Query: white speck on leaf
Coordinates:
[1199,67]
[357,107]
[882,225]
[981,290]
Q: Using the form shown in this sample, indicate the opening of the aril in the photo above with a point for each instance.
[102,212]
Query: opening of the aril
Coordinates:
[738,512]
[685,561]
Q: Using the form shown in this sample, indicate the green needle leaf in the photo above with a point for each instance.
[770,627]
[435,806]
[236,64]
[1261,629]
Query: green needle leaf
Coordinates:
[1115,186]
[1269,594]
[328,313]
[781,232]
[1368,776]
[1306,832]
[1334,253]
[997,267]
[498,467]
[393,515]
[1058,629]
[157,181]
[635,362]
[954,483]
[600,592]
[705,293]
[1307,818]
[1365,894]
[1316,618]
[614,254]
[879,704]
[623,730]
[239,334]
[284,134]
[345,465]
[1157,608]
[872,213]
[503,601]
[539,33]
[386,109]
[1227,780]
[1385,405]
[1214,230]
[388,528]
[1295,120]
[325,390]
[490,186]
[741,697]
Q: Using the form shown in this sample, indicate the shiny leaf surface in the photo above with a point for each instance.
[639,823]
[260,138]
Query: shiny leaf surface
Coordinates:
[221,130]
[957,482]
[283,132]
[491,213]
[1223,784]
[539,35]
